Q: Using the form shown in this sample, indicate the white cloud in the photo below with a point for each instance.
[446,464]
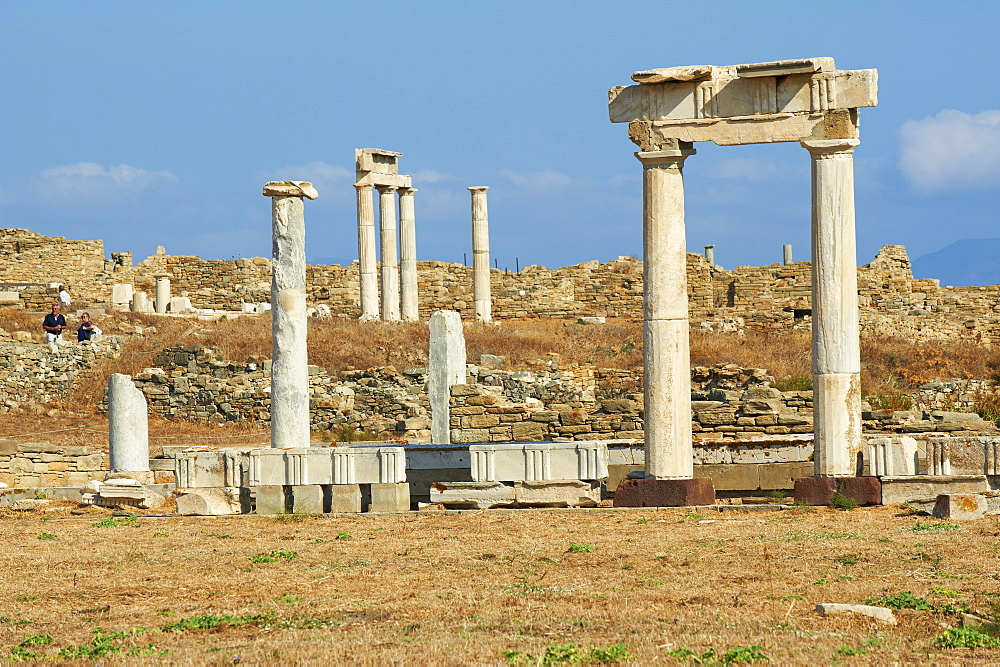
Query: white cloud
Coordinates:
[951,149]
[92,183]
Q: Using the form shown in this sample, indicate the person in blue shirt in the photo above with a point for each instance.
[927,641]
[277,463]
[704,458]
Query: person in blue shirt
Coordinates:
[54,323]
[87,329]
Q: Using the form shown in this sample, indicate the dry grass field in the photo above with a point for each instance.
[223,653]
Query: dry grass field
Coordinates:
[670,586]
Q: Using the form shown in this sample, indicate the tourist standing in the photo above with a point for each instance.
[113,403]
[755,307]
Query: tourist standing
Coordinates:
[54,323]
[64,298]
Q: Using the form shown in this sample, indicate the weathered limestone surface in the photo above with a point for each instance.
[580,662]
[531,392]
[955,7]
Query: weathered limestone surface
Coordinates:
[128,426]
[446,368]
[367,262]
[408,298]
[289,367]
[482,298]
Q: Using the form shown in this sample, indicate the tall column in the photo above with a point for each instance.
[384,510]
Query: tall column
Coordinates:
[836,347]
[409,305]
[390,264]
[481,297]
[667,363]
[786,254]
[290,360]
[162,292]
[367,270]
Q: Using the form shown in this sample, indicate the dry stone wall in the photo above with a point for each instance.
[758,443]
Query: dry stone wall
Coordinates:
[772,297]
[36,465]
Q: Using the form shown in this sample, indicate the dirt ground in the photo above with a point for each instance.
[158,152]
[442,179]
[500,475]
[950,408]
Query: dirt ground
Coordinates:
[490,587]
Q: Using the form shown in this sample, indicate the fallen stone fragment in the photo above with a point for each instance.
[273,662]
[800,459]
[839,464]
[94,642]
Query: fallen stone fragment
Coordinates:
[882,614]
[219,501]
[960,506]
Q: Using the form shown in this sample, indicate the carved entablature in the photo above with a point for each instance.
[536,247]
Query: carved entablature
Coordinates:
[377,167]
[786,100]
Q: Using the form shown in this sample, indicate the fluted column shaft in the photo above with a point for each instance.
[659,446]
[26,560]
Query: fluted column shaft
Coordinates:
[367,258]
[481,294]
[388,256]
[835,330]
[409,306]
[667,383]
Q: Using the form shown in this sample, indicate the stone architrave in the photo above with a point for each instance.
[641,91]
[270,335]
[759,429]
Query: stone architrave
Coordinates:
[390,264]
[408,303]
[128,426]
[446,367]
[809,101]
[367,257]
[162,292]
[290,364]
[481,296]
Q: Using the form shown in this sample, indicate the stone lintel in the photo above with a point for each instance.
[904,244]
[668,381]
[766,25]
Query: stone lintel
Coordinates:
[290,189]
[376,160]
[376,179]
[729,94]
[762,129]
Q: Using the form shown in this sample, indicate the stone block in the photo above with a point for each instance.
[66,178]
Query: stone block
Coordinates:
[468,435]
[307,498]
[960,506]
[390,498]
[819,490]
[327,465]
[775,476]
[121,294]
[763,406]
[9,298]
[900,489]
[209,502]
[528,431]
[881,614]
[472,495]
[564,493]
[617,473]
[665,492]
[345,498]
[539,461]
[891,455]
[270,499]
[731,477]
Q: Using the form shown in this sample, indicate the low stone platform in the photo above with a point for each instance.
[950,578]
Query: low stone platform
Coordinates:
[820,490]
[665,492]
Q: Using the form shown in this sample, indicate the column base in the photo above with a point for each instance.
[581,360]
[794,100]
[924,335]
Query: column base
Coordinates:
[819,490]
[665,492]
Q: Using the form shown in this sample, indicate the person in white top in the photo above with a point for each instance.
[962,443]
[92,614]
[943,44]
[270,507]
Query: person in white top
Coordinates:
[64,298]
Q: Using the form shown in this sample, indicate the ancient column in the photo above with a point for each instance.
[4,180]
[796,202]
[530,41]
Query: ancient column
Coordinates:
[128,427]
[786,254]
[289,364]
[409,306]
[667,384]
[710,255]
[836,347]
[162,292]
[367,258]
[390,264]
[140,304]
[481,298]
[445,367]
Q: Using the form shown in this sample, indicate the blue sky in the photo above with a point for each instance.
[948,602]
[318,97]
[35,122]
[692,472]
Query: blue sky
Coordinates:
[146,123]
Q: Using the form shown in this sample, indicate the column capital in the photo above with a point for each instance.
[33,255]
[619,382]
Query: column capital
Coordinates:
[386,189]
[407,192]
[363,186]
[664,158]
[290,189]
[828,148]
[479,188]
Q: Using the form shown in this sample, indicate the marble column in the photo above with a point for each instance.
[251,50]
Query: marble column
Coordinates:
[481,297]
[836,347]
[710,255]
[445,367]
[128,425]
[667,364]
[388,256]
[786,254]
[290,360]
[367,258]
[409,304]
[162,293]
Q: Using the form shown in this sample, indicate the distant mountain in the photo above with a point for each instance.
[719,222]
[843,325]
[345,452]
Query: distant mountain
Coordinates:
[963,263]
